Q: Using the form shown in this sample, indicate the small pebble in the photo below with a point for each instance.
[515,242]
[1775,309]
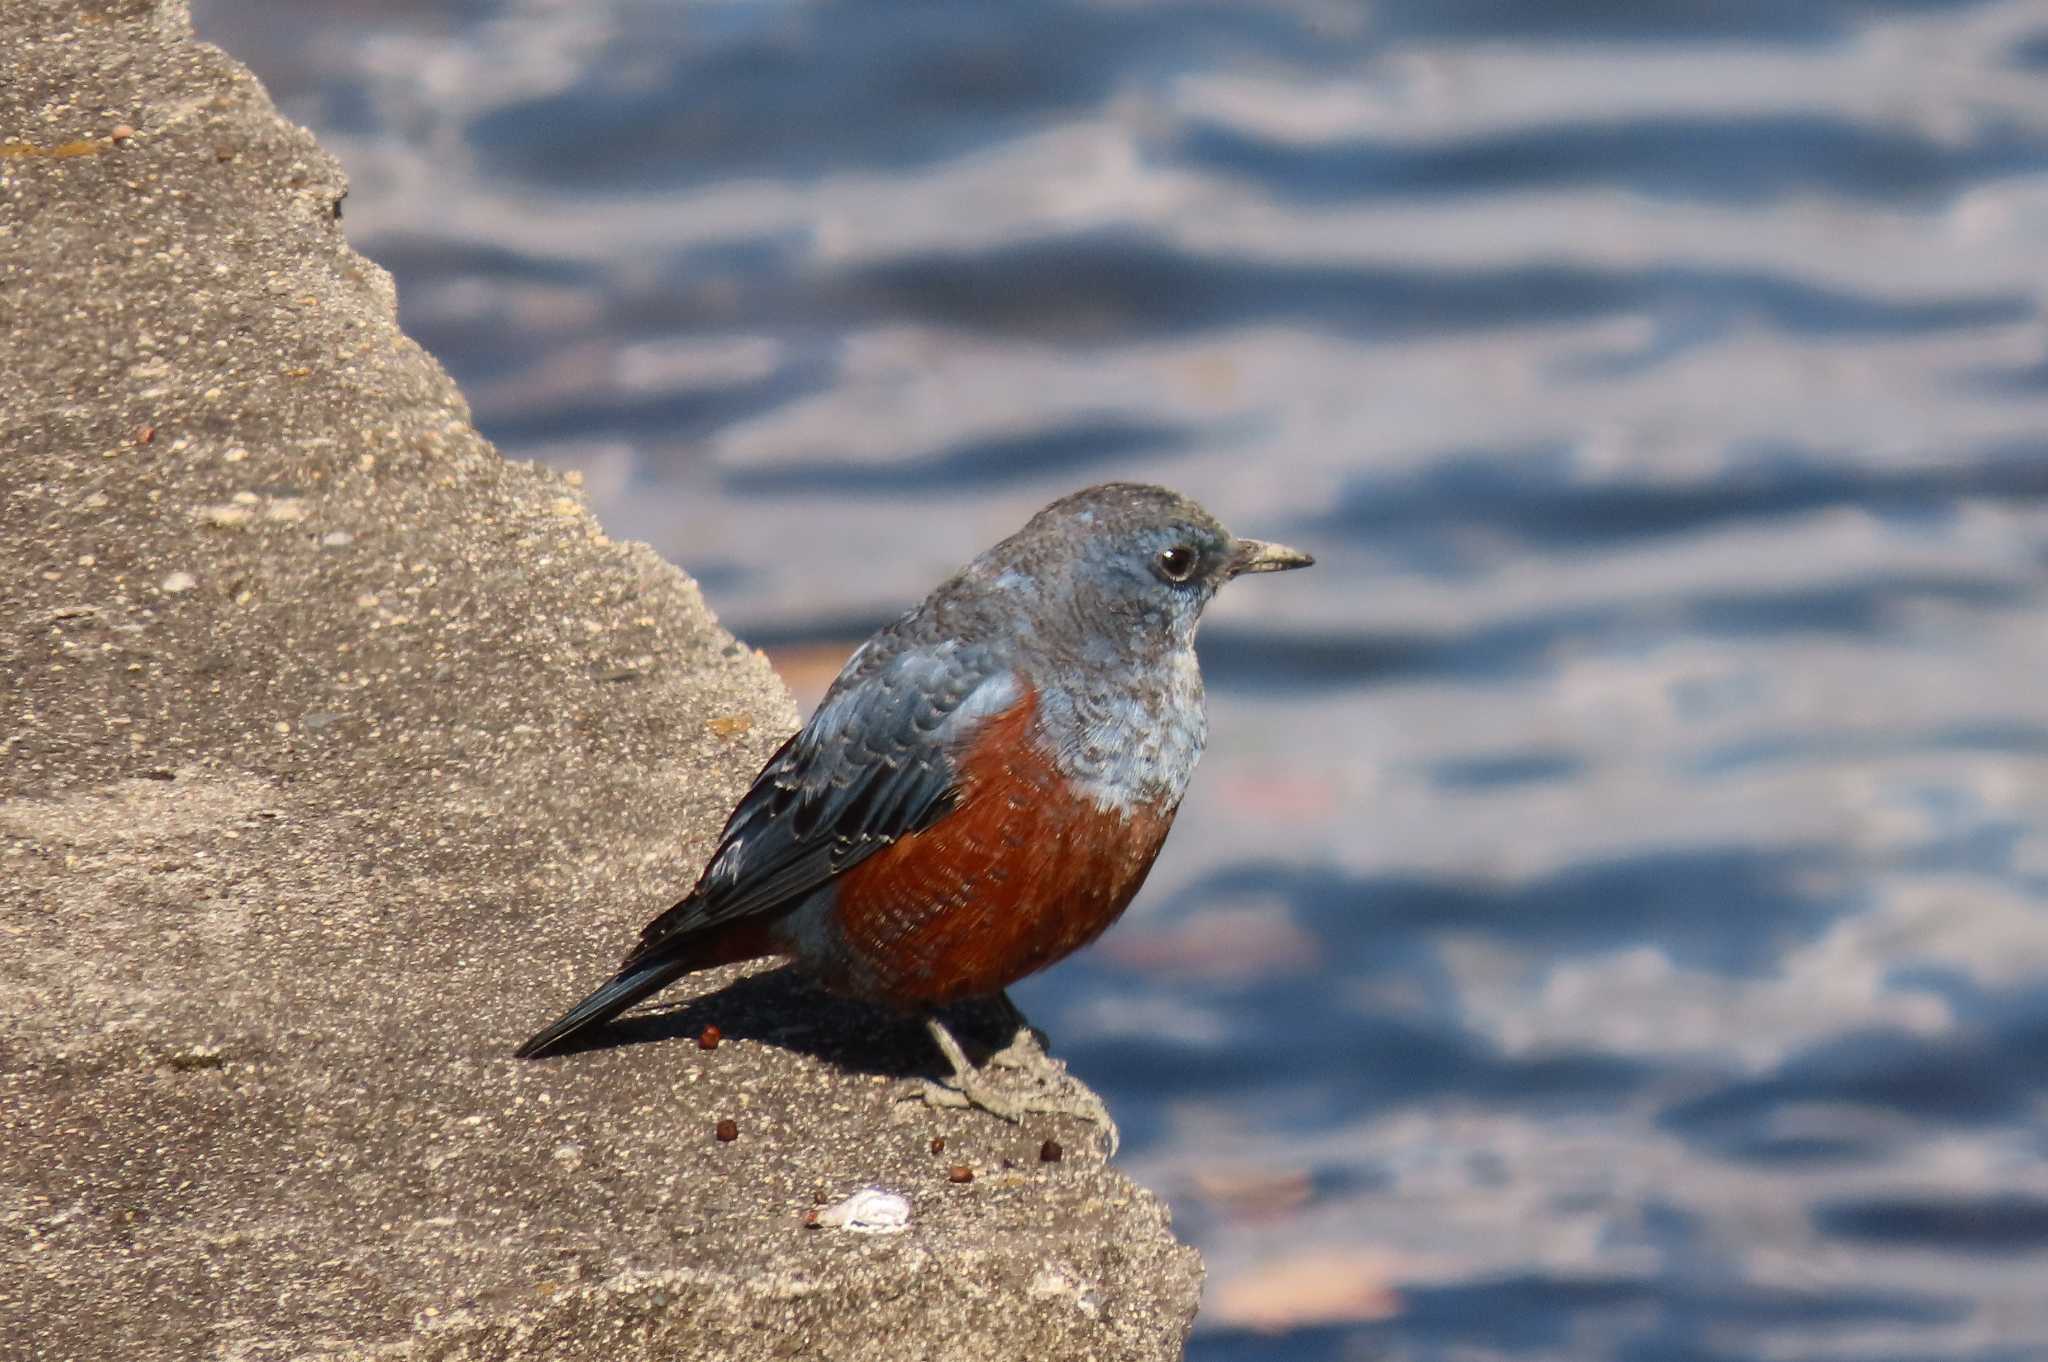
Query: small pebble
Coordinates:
[145,435]
[728,1130]
[959,1172]
[122,132]
[1050,1152]
[708,1038]
[938,1144]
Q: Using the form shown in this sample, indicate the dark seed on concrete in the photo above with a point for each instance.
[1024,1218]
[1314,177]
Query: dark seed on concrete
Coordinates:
[728,1130]
[708,1038]
[959,1172]
[938,1144]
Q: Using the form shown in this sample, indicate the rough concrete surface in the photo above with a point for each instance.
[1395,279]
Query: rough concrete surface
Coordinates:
[337,753]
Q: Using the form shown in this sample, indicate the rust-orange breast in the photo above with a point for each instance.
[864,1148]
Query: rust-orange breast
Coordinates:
[1021,874]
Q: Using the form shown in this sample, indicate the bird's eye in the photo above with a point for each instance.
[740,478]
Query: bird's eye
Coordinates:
[1177,563]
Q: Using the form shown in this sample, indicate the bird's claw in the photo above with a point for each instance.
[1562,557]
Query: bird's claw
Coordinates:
[1068,1100]
[1048,1090]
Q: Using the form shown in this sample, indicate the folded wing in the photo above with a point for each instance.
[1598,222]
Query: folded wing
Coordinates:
[877,762]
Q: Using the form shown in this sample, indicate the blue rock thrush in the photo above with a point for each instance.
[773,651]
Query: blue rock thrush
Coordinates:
[983,788]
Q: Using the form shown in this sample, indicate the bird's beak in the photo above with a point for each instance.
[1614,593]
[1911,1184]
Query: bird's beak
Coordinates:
[1250,555]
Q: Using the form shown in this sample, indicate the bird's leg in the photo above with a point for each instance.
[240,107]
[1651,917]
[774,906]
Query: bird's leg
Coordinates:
[1050,1090]
[1025,1039]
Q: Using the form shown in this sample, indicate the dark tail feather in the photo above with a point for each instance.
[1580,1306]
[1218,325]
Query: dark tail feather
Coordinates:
[627,987]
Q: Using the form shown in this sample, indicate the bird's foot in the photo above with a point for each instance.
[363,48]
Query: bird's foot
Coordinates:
[1046,1086]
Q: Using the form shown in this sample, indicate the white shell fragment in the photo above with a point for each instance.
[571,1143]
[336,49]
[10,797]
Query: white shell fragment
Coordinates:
[868,1211]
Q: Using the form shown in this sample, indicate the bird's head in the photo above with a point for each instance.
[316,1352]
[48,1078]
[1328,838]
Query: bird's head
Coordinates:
[1132,563]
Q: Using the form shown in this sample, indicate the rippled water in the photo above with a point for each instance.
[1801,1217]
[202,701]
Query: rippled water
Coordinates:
[1612,918]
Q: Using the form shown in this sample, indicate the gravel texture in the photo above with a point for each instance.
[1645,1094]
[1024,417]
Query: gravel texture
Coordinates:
[337,754]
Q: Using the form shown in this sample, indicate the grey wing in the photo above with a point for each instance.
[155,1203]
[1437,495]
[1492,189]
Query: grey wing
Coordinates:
[875,763]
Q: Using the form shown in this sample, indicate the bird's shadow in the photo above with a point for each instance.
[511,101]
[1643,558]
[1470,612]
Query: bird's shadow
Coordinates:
[780,1007]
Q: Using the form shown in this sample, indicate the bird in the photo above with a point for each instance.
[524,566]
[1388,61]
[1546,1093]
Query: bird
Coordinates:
[981,791]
